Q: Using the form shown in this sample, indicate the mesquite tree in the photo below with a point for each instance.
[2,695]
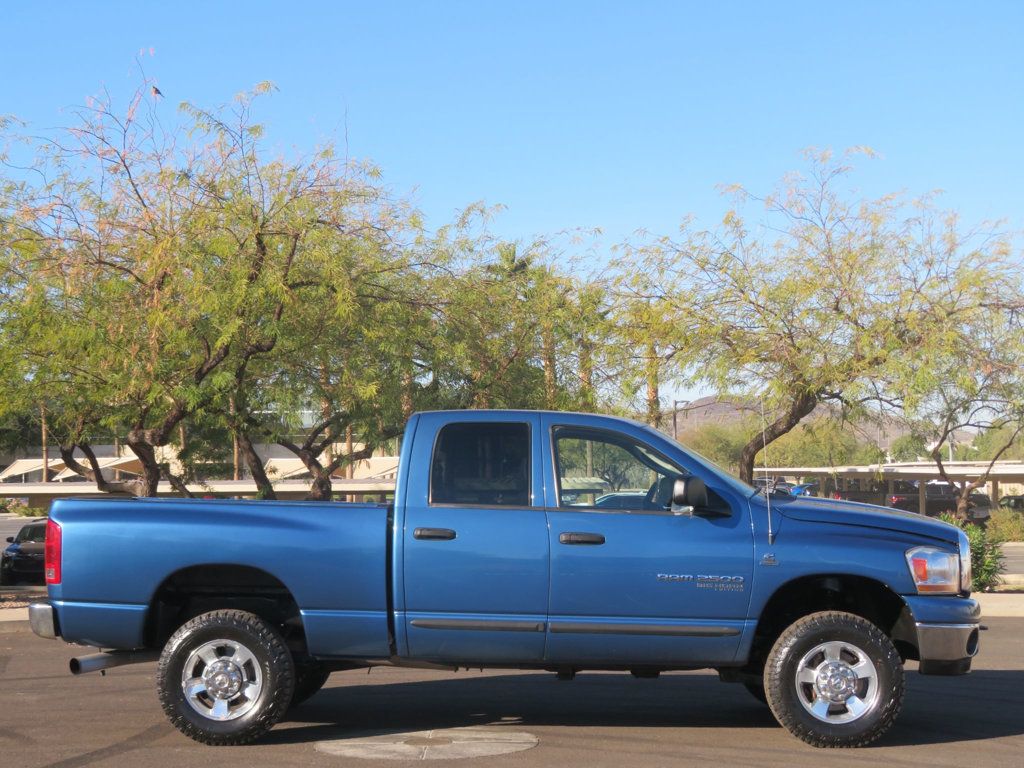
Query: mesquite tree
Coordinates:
[828,303]
[967,375]
[140,261]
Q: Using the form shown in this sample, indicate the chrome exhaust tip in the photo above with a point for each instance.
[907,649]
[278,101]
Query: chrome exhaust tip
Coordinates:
[97,662]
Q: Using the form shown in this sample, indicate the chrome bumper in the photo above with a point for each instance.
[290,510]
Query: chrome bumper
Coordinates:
[946,649]
[43,620]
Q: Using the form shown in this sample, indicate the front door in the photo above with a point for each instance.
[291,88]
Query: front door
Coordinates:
[632,580]
[475,540]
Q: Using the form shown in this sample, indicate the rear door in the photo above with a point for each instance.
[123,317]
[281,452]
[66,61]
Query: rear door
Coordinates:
[474,543]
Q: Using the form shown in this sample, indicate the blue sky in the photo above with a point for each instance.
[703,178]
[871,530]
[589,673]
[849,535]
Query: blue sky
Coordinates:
[613,115]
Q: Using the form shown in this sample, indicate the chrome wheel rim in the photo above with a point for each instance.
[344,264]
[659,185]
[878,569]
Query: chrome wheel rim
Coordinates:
[837,682]
[222,680]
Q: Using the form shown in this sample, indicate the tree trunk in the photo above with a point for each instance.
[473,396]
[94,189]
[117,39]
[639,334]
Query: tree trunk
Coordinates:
[92,471]
[264,488]
[548,360]
[651,376]
[587,399]
[235,453]
[962,502]
[322,488]
[149,482]
[46,452]
[408,388]
[800,407]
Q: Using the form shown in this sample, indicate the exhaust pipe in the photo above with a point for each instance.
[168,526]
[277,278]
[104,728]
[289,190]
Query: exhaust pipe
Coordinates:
[97,662]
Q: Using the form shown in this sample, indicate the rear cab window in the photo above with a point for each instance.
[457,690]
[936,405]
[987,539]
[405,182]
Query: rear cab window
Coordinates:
[481,464]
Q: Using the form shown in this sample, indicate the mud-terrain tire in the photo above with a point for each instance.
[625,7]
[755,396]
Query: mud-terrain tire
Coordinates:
[225,677]
[834,679]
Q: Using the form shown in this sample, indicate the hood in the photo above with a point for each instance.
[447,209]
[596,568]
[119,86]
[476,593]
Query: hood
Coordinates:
[864,515]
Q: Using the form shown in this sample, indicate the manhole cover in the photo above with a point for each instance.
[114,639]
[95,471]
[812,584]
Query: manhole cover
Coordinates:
[443,744]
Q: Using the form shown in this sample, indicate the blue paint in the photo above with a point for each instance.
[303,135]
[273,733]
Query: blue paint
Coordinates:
[661,589]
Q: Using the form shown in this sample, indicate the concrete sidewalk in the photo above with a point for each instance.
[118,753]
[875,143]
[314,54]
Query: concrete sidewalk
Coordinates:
[13,614]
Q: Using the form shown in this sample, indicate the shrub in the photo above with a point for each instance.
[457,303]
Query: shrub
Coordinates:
[986,554]
[1006,525]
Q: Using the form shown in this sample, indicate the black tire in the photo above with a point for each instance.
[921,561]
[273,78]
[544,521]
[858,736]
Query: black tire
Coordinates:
[861,643]
[757,691]
[310,677]
[269,666]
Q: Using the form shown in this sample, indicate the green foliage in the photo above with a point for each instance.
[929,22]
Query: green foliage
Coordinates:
[287,299]
[990,441]
[908,448]
[721,443]
[843,301]
[1006,525]
[154,282]
[820,442]
[986,554]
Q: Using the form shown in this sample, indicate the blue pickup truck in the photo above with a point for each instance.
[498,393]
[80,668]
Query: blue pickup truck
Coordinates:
[500,550]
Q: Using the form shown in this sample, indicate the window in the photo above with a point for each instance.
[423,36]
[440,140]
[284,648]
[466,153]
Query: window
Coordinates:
[481,465]
[606,470]
[35,534]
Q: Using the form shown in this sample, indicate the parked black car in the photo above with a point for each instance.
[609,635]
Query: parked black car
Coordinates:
[22,561]
[940,498]
[1016,503]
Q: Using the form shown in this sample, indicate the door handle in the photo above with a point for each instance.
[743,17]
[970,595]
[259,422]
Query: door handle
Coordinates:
[434,534]
[575,537]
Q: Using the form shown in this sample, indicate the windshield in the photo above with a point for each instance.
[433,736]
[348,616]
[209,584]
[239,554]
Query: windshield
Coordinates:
[735,483]
[32,533]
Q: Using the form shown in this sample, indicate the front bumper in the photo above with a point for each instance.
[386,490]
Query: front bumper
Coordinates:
[946,649]
[944,631]
[43,620]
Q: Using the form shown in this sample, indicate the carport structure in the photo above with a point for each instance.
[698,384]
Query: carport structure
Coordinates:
[863,478]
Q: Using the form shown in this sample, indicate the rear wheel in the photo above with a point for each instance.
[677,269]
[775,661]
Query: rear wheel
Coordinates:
[757,691]
[834,679]
[225,677]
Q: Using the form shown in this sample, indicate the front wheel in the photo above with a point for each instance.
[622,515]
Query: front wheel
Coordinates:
[225,677]
[309,678]
[834,679]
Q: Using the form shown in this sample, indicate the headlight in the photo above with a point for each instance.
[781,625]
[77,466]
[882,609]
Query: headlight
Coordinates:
[934,571]
[966,577]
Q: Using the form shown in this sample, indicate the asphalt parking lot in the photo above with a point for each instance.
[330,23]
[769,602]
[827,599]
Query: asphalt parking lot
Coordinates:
[49,718]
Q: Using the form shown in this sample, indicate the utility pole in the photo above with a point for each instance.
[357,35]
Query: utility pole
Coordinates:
[675,412]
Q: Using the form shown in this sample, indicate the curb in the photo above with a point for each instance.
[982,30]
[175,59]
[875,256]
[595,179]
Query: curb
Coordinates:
[13,615]
[1000,605]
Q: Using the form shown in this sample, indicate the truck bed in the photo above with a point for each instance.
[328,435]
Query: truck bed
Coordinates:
[325,556]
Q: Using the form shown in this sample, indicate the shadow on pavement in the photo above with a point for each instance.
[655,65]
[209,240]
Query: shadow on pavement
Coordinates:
[985,704]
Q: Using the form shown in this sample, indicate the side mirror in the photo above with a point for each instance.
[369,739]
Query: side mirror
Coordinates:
[10,539]
[689,491]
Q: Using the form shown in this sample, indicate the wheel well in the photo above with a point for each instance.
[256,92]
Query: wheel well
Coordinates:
[191,591]
[858,595]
